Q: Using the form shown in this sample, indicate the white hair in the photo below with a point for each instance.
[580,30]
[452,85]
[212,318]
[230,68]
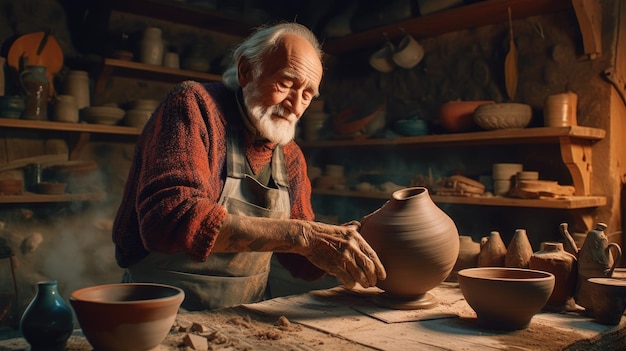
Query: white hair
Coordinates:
[260,43]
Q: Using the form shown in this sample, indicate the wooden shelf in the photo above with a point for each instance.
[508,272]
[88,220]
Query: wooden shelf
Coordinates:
[187,14]
[42,198]
[144,71]
[504,136]
[569,202]
[575,143]
[137,70]
[465,17]
[69,127]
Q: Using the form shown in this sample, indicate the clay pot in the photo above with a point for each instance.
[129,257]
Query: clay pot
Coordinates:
[11,186]
[554,259]
[505,298]
[519,251]
[608,298]
[492,251]
[417,243]
[121,317]
[468,256]
[458,116]
[355,121]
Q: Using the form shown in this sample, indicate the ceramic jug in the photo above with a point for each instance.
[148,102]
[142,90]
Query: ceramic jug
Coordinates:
[595,260]
[36,88]
[492,251]
[553,258]
[519,250]
[47,322]
[417,243]
[151,46]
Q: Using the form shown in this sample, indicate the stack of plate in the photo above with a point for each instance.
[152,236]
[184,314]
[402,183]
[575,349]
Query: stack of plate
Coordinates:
[108,115]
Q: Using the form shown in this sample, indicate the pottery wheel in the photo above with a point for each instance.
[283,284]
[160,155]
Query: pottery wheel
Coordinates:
[419,302]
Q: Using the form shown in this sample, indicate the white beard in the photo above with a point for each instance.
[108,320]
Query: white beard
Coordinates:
[279,130]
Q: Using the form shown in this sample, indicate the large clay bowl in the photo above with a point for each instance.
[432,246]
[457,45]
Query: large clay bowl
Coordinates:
[505,298]
[125,317]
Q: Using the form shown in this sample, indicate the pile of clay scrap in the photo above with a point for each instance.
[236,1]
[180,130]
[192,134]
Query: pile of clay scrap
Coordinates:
[540,189]
[458,185]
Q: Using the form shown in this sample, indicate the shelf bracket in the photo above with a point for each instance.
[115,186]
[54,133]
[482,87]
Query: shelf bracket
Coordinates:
[576,155]
[583,220]
[589,15]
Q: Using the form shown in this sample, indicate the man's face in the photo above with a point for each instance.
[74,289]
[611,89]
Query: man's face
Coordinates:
[277,93]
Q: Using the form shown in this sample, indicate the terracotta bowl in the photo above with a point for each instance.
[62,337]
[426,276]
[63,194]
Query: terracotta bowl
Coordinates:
[505,298]
[458,116]
[52,188]
[118,317]
[354,121]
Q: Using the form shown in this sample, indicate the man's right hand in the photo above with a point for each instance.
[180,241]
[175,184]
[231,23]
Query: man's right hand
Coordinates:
[342,252]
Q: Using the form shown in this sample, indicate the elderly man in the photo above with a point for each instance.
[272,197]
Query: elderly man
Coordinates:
[217,183]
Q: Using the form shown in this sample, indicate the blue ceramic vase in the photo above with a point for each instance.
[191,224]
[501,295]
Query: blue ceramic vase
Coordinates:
[47,322]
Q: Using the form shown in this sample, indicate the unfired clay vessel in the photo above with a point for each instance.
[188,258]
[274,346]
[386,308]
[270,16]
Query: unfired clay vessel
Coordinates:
[554,259]
[468,256]
[417,243]
[492,251]
[595,260]
[519,250]
[608,298]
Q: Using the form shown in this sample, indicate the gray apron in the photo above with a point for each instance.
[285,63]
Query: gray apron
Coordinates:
[226,279]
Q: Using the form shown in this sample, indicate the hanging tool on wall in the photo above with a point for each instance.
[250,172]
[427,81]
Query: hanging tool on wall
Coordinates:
[510,64]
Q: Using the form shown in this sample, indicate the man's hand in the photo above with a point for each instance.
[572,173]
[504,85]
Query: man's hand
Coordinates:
[342,252]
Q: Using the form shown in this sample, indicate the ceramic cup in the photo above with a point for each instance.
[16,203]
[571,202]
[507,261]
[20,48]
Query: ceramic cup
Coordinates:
[382,59]
[171,60]
[409,52]
[559,110]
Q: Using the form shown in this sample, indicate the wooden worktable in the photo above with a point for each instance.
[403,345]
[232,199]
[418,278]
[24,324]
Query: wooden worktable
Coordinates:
[339,319]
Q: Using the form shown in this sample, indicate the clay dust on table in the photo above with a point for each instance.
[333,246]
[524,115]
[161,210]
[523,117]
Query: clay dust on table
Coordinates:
[237,331]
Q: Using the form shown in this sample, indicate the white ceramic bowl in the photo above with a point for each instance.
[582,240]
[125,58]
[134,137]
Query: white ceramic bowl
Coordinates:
[136,118]
[505,298]
[120,317]
[145,104]
[506,115]
[102,114]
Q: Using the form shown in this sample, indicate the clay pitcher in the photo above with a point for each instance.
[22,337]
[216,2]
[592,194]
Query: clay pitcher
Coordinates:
[519,251]
[595,260]
[417,243]
[492,251]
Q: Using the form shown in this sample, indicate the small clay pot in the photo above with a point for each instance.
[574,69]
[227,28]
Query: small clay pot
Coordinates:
[492,251]
[468,256]
[11,186]
[458,116]
[608,298]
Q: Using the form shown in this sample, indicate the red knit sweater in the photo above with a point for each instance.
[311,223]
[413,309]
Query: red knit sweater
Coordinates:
[170,200]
